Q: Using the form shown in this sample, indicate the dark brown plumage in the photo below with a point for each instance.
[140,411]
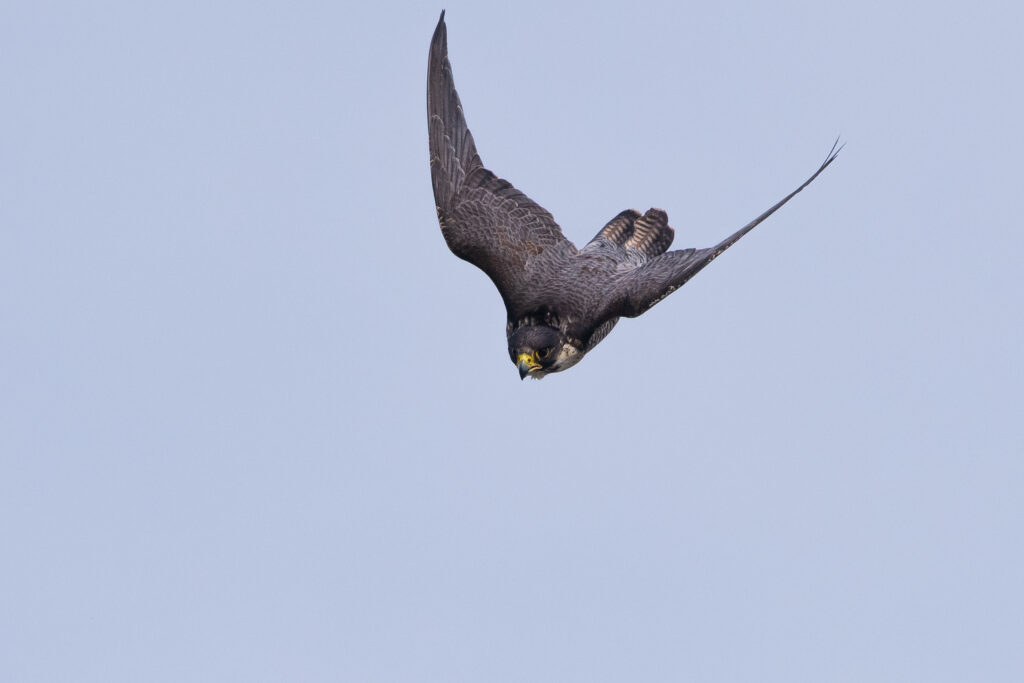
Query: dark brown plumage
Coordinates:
[561,301]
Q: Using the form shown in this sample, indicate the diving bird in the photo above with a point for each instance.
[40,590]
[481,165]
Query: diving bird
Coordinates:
[561,300]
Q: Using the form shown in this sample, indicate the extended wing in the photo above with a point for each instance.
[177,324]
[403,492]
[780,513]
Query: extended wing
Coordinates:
[484,219]
[637,290]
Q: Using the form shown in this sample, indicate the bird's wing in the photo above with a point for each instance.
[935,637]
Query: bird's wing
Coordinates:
[484,219]
[637,290]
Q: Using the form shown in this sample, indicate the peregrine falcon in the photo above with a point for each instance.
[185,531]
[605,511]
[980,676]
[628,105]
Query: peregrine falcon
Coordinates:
[561,300]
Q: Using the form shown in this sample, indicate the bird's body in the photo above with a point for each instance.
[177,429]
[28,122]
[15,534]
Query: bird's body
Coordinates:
[560,300]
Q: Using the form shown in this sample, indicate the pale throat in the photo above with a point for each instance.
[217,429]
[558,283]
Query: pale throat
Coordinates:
[566,357]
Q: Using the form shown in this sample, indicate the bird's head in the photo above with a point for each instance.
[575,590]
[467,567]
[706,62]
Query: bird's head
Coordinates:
[539,349]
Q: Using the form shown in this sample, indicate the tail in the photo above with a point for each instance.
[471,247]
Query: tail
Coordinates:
[649,235]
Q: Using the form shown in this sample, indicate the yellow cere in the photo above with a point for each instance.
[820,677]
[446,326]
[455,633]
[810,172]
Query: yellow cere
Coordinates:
[528,359]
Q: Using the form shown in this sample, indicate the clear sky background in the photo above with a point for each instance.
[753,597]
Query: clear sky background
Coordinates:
[258,424]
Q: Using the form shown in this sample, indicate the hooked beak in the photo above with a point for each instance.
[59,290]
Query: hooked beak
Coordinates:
[527,363]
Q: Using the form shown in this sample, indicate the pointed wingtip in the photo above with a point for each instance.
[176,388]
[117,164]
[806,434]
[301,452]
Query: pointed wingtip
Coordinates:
[836,149]
[832,154]
[440,32]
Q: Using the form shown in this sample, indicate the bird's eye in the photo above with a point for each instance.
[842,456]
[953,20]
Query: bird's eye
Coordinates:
[543,353]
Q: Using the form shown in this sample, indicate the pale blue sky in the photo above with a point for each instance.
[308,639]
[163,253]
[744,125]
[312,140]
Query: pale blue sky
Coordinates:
[258,424]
